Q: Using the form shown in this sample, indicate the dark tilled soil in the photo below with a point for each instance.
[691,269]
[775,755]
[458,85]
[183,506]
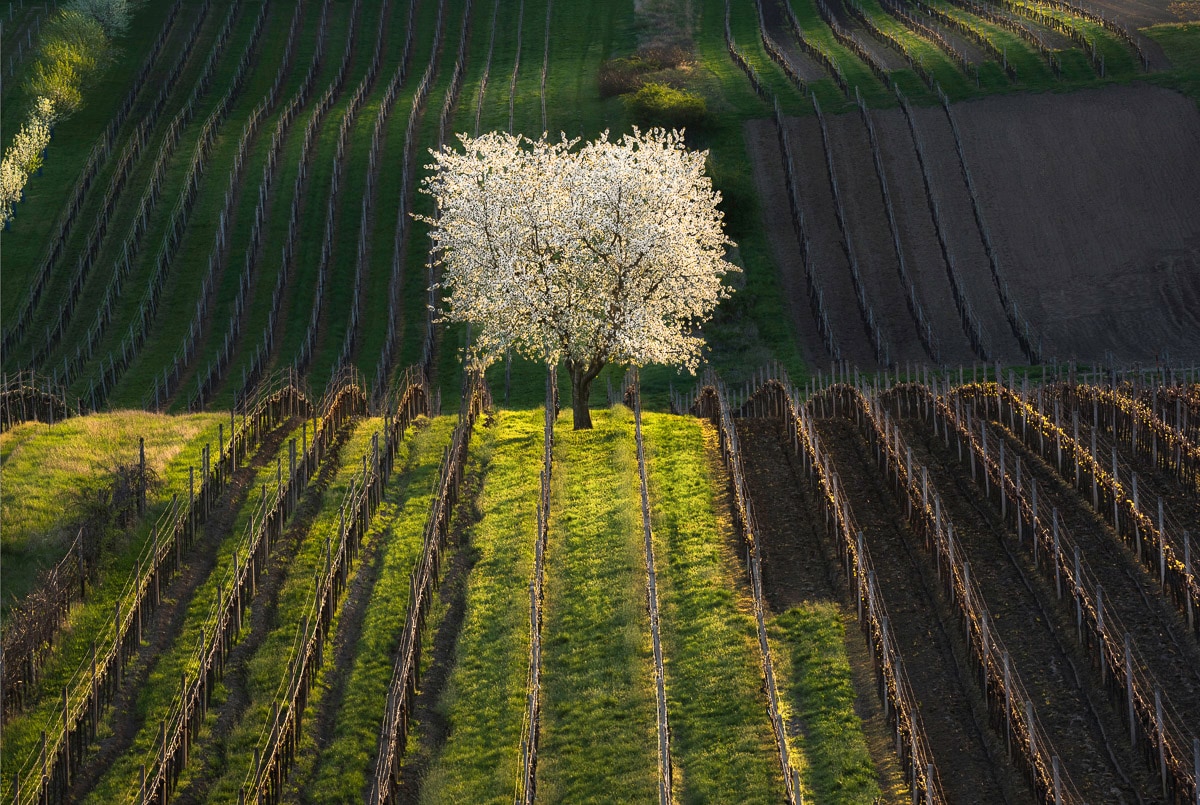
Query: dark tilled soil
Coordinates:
[1091,200]
[160,630]
[1084,727]
[1181,505]
[800,564]
[1132,600]
[918,236]
[826,249]
[960,229]
[779,30]
[867,226]
[785,247]
[970,757]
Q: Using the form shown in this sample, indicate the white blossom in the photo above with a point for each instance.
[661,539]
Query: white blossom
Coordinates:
[610,252]
[24,156]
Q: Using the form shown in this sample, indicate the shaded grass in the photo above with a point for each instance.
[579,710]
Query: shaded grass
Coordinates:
[68,151]
[183,285]
[722,742]
[484,702]
[1181,43]
[814,672]
[345,764]
[598,725]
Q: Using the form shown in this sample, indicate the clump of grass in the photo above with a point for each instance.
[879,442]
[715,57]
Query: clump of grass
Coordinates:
[661,105]
[598,724]
[820,694]
[484,702]
[722,741]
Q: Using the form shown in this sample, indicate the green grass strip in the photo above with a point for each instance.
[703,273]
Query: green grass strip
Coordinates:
[73,442]
[1181,43]
[485,699]
[598,727]
[808,646]
[721,738]
[37,216]
[342,766]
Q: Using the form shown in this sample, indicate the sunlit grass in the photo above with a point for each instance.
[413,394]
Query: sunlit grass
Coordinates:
[45,468]
[722,742]
[808,645]
[344,767]
[598,712]
[484,702]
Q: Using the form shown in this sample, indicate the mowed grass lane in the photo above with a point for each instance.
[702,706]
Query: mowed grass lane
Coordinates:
[158,695]
[111,252]
[337,758]
[302,287]
[184,284]
[817,692]
[484,701]
[241,716]
[275,228]
[136,285]
[598,714]
[336,314]
[722,742]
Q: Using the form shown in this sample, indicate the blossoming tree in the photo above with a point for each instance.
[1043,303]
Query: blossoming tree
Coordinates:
[610,253]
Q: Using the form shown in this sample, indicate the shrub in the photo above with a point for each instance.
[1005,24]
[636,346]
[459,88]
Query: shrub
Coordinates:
[112,15]
[661,105]
[73,49]
[619,76]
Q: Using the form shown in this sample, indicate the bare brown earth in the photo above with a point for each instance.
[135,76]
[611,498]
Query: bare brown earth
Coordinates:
[867,226]
[1134,13]
[1092,202]
[785,246]
[918,237]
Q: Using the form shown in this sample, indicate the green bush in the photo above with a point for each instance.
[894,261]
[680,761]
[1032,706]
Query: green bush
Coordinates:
[619,76]
[74,49]
[661,105]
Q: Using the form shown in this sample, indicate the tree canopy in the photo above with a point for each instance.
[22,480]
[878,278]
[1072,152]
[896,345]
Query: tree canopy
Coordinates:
[610,252]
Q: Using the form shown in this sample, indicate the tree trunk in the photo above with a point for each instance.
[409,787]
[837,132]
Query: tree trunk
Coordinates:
[582,376]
